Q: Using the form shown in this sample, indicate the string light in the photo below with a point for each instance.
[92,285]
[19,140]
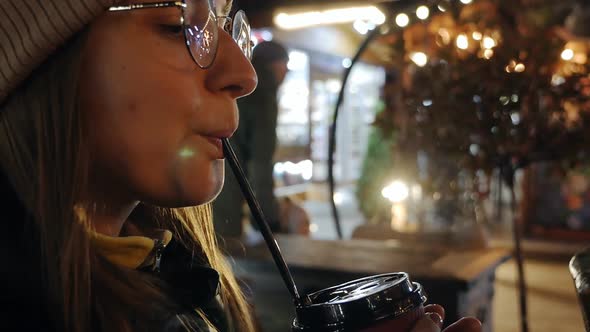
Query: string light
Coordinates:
[422,12]
[402,20]
[462,42]
[514,66]
[567,54]
[419,58]
[489,42]
[519,68]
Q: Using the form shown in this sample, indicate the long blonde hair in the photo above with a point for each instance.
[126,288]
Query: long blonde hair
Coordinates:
[44,153]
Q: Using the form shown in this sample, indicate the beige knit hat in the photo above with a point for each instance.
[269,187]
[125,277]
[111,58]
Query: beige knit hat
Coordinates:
[30,30]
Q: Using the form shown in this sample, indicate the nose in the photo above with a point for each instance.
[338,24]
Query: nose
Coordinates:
[231,72]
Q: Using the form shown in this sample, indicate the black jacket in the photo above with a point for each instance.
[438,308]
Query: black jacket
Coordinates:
[22,295]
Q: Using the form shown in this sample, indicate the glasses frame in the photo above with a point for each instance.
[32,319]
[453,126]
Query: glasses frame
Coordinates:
[225,22]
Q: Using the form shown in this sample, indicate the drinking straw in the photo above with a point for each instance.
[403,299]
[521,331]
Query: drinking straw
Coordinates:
[260,219]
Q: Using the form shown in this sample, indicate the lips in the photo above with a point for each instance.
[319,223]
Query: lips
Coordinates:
[215,136]
[215,142]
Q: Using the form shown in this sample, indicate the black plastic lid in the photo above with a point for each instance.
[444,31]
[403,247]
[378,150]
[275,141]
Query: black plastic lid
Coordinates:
[360,302]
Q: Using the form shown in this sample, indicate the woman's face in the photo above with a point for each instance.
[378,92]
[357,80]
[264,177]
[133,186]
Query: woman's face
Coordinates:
[155,118]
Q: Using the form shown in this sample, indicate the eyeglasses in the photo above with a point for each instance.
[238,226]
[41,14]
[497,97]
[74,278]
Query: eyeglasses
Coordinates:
[200,25]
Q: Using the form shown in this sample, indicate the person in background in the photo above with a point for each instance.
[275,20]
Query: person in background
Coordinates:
[255,143]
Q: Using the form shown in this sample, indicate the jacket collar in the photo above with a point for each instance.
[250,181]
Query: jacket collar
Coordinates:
[130,251]
[192,281]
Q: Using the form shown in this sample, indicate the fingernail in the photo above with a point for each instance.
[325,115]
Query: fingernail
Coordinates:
[435,317]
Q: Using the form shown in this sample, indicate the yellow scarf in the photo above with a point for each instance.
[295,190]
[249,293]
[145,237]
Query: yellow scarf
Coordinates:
[129,251]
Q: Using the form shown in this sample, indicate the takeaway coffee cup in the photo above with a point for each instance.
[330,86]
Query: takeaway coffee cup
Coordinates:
[387,302]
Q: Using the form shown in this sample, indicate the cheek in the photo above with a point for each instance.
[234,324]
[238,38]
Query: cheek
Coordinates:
[138,116]
[132,135]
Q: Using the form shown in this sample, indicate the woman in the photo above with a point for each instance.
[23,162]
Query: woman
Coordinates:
[111,116]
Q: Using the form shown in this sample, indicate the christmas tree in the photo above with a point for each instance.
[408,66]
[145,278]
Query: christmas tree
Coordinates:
[488,85]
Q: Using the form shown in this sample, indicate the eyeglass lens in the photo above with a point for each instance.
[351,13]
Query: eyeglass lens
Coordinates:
[201,32]
[241,33]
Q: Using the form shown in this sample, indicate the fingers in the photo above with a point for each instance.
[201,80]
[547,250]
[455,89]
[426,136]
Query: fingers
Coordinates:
[431,322]
[436,318]
[468,324]
[436,308]
[435,315]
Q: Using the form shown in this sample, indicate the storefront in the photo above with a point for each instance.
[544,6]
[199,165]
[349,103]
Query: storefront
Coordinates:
[306,105]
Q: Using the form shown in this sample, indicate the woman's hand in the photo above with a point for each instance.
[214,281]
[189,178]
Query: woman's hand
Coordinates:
[433,320]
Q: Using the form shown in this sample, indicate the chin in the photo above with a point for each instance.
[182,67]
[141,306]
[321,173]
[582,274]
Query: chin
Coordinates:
[204,186]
